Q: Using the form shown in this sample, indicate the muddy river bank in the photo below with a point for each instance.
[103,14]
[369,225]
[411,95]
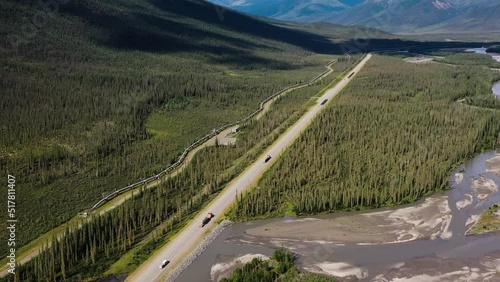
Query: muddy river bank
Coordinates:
[425,241]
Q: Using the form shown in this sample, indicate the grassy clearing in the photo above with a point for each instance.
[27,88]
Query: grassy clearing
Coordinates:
[106,92]
[184,196]
[88,109]
[286,104]
[489,221]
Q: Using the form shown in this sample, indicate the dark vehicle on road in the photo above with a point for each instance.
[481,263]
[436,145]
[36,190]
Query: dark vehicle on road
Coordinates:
[268,157]
[324,101]
[207,219]
[350,75]
[164,263]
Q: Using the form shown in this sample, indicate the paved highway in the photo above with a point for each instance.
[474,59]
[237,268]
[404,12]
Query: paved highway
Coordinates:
[192,235]
[222,138]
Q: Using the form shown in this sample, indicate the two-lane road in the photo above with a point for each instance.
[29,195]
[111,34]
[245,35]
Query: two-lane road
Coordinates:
[192,235]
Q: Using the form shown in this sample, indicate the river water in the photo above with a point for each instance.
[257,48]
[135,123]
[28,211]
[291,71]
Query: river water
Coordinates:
[482,50]
[371,261]
[496,57]
[496,89]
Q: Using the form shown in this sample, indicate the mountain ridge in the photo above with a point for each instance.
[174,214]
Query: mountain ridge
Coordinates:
[398,16]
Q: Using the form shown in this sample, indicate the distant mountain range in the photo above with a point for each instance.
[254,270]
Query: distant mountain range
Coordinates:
[399,16]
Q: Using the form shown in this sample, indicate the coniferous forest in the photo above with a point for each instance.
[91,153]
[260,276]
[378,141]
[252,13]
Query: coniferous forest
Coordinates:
[103,96]
[392,136]
[106,93]
[459,58]
[148,220]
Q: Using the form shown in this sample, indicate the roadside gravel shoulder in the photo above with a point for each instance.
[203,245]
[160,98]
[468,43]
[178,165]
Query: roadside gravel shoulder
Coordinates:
[198,251]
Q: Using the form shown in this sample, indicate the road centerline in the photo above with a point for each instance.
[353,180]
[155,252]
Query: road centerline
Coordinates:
[184,242]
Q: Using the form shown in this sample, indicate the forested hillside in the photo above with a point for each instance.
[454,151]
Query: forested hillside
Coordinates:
[392,136]
[79,88]
[447,18]
[100,94]
[117,242]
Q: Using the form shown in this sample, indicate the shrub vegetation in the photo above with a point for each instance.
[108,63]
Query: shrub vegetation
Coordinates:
[110,92]
[493,49]
[151,218]
[280,267]
[391,137]
[470,59]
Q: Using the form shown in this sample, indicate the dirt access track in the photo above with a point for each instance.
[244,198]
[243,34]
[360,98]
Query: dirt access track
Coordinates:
[192,235]
[225,137]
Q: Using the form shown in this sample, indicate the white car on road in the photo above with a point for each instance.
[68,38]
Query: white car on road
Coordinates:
[164,263]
